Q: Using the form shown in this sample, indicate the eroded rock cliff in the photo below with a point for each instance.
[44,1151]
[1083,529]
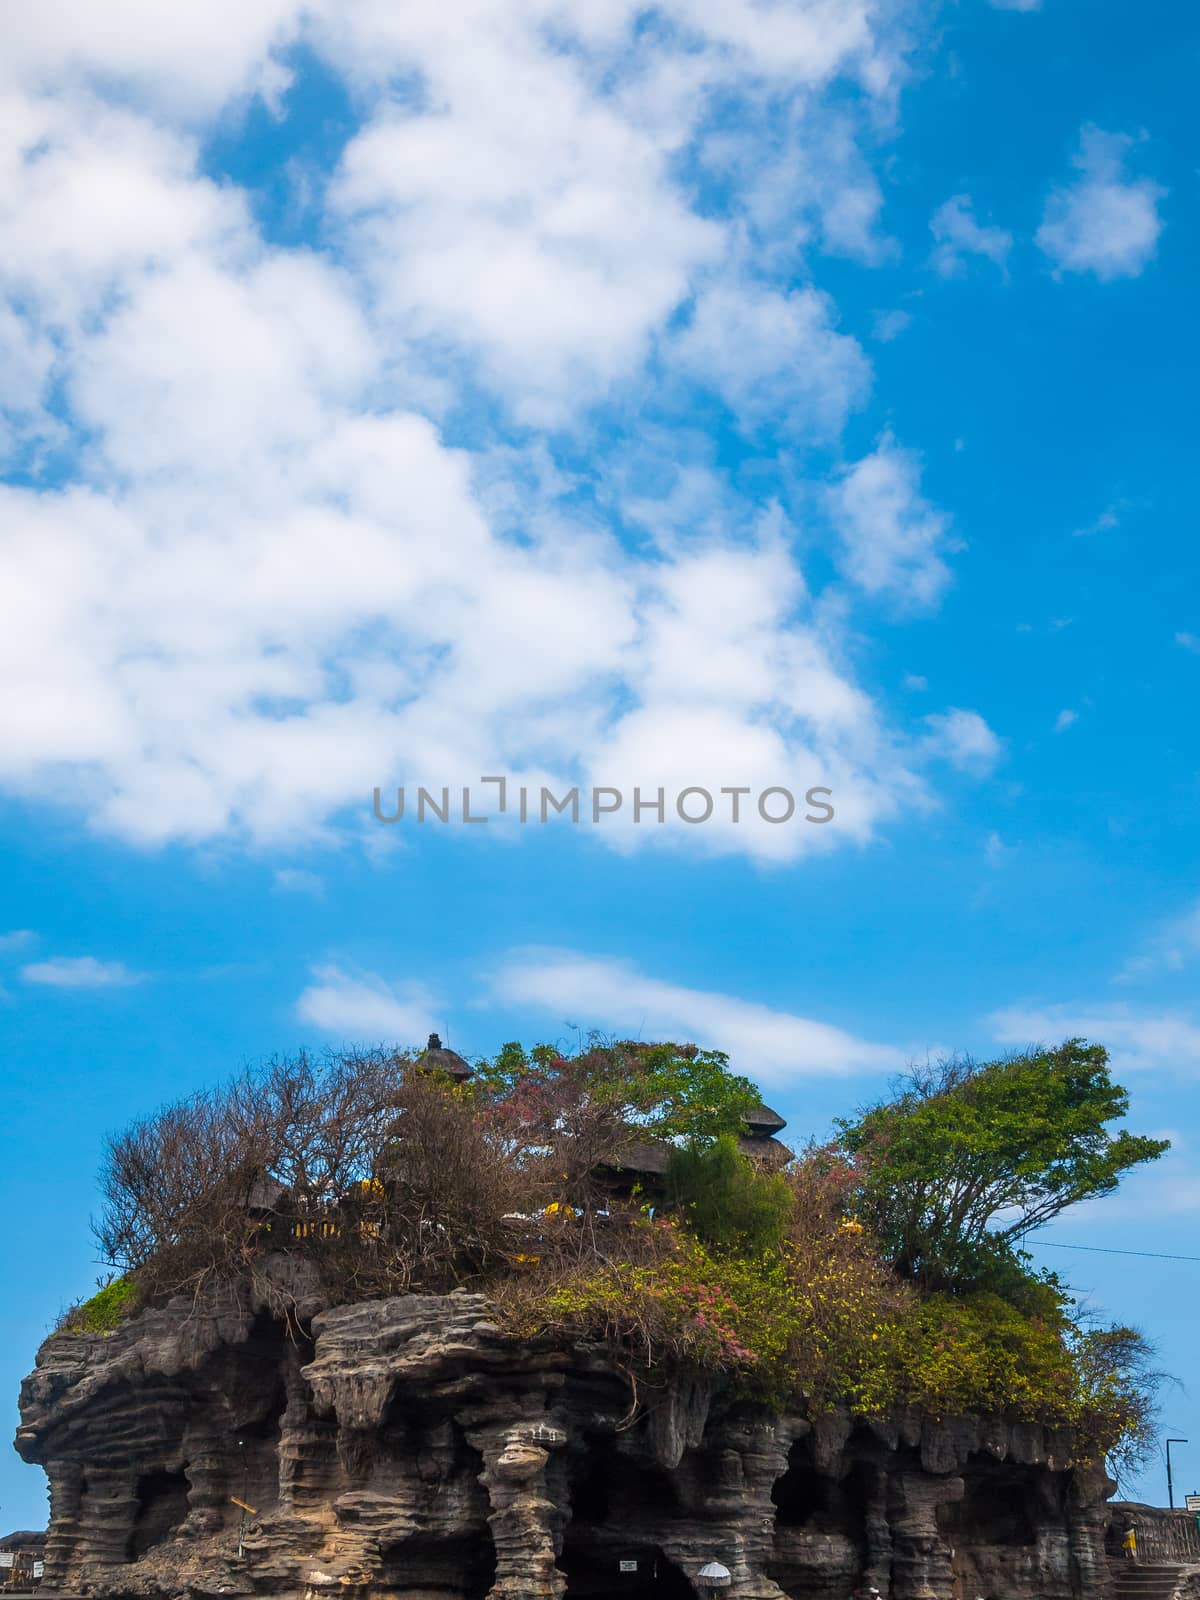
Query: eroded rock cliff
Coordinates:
[407,1448]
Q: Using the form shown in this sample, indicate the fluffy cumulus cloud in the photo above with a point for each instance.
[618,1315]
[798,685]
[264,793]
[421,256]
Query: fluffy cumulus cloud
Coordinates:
[963,739]
[893,541]
[284,521]
[587,990]
[1106,222]
[773,355]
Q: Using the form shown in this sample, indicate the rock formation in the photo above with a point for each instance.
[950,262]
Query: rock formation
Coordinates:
[410,1449]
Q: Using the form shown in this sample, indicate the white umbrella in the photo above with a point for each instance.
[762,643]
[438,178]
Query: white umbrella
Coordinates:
[714,1576]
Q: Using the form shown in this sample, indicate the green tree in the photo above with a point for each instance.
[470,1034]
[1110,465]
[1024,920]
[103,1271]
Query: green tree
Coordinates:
[667,1091]
[571,1117]
[729,1203]
[969,1158]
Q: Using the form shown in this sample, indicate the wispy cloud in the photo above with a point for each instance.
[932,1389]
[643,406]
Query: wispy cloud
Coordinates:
[959,235]
[1189,641]
[18,939]
[298,880]
[1105,223]
[80,972]
[1138,1040]
[889,325]
[366,1007]
[1167,1189]
[1065,719]
[1108,519]
[996,852]
[776,1047]
[1172,948]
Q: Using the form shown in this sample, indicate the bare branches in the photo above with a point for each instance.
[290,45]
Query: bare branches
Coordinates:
[381,1175]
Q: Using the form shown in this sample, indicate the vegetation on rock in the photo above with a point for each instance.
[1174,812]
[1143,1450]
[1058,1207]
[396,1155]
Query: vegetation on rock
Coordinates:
[106,1309]
[877,1271]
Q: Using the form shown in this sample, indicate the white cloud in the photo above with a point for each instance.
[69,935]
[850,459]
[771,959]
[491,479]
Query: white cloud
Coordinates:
[963,739]
[18,939]
[775,356]
[297,880]
[1108,519]
[259,581]
[889,325]
[1172,948]
[1165,1189]
[534,228]
[186,60]
[1065,719]
[773,1047]
[959,234]
[1016,5]
[80,972]
[1137,1040]
[1188,641]
[892,538]
[1104,223]
[995,851]
[807,184]
[366,1008]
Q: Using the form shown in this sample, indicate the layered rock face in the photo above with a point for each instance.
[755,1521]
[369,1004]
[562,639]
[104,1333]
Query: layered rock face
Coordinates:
[407,1448]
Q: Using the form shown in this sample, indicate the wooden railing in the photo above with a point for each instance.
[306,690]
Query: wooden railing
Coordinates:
[1170,1538]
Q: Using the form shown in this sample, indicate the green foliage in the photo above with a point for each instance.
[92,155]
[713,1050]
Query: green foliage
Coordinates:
[668,1091]
[968,1158]
[881,1271]
[953,1356]
[776,1329]
[675,1310]
[106,1309]
[1118,1388]
[730,1204]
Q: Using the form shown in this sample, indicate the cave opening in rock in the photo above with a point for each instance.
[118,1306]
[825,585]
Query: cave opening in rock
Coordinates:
[619,1507]
[801,1494]
[162,1504]
[820,1544]
[256,1392]
[604,1569]
[458,1567]
[804,1495]
[608,1488]
[995,1509]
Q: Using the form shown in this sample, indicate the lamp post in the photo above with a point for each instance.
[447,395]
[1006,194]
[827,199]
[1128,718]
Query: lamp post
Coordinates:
[1170,1480]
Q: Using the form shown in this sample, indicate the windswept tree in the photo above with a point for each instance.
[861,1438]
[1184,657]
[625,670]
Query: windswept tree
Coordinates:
[969,1158]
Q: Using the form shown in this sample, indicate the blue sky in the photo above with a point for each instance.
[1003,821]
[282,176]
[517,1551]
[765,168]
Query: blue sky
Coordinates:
[748,395]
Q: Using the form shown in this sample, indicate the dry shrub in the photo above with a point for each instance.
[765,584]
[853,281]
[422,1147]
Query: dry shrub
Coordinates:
[381,1175]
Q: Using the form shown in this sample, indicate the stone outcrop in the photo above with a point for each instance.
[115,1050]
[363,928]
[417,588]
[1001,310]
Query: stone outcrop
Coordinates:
[407,1449]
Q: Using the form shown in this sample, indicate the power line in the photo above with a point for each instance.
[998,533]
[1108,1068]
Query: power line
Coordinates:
[1109,1250]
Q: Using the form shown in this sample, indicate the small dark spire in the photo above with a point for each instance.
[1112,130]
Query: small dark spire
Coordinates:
[437,1058]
